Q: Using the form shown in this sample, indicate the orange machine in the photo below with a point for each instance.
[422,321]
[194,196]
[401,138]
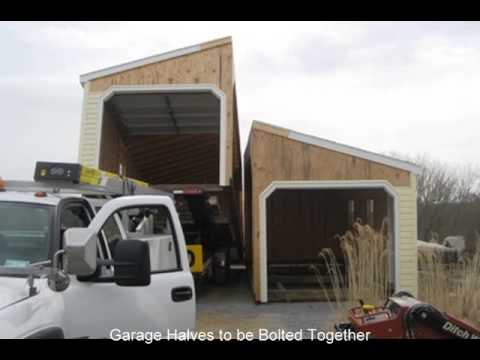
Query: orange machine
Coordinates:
[403,316]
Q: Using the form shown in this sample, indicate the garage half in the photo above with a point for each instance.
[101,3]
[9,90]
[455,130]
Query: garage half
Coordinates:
[301,190]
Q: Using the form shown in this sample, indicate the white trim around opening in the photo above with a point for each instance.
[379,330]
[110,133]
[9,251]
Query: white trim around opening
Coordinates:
[171,88]
[319,185]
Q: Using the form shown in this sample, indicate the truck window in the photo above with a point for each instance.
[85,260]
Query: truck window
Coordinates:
[154,226]
[75,216]
[112,234]
[108,237]
[25,233]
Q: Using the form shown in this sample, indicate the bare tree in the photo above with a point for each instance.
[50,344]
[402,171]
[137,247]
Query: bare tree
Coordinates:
[448,198]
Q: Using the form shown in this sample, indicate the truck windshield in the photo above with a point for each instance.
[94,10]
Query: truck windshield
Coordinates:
[25,233]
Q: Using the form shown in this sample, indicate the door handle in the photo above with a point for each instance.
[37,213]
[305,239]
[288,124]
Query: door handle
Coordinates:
[182,293]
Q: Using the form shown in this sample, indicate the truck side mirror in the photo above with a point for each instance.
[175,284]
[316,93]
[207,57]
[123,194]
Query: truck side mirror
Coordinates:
[131,261]
[80,246]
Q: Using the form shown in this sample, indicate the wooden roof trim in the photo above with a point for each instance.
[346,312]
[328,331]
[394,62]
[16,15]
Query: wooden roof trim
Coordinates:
[153,59]
[338,147]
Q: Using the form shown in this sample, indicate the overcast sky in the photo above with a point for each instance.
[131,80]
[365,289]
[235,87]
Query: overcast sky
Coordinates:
[411,88]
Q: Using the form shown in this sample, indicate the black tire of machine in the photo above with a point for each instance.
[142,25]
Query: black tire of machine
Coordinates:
[403,293]
[221,267]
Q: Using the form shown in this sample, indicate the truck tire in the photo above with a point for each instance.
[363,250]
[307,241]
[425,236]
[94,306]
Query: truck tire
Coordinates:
[221,267]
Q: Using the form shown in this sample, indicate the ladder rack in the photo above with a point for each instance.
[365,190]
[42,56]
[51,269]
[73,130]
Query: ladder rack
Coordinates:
[65,187]
[67,178]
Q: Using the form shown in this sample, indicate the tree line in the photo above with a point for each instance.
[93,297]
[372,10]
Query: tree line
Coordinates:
[448,200]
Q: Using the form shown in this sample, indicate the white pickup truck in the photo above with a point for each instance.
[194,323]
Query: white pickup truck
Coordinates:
[66,272]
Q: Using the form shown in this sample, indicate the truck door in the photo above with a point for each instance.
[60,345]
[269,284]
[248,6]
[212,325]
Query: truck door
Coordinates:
[96,307]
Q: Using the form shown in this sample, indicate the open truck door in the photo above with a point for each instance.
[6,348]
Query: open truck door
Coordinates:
[111,280]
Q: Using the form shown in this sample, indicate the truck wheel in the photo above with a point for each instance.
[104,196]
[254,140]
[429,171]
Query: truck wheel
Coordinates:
[221,267]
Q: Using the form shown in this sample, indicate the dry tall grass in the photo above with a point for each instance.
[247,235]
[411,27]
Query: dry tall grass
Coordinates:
[454,288]
[366,258]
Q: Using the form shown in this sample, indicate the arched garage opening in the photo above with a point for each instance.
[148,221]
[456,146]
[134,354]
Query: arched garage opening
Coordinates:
[299,219]
[165,134]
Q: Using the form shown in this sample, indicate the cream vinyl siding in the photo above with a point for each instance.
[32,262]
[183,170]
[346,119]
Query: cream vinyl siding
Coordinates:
[408,236]
[87,154]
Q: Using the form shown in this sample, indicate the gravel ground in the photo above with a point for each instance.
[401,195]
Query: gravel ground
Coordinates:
[233,307]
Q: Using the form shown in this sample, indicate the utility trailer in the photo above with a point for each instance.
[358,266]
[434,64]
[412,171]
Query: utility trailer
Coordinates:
[170,120]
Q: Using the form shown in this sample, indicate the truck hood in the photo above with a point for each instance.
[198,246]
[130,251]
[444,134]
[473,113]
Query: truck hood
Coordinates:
[12,290]
[21,314]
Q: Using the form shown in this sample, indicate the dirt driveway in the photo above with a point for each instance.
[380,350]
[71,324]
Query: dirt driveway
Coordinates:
[231,308]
